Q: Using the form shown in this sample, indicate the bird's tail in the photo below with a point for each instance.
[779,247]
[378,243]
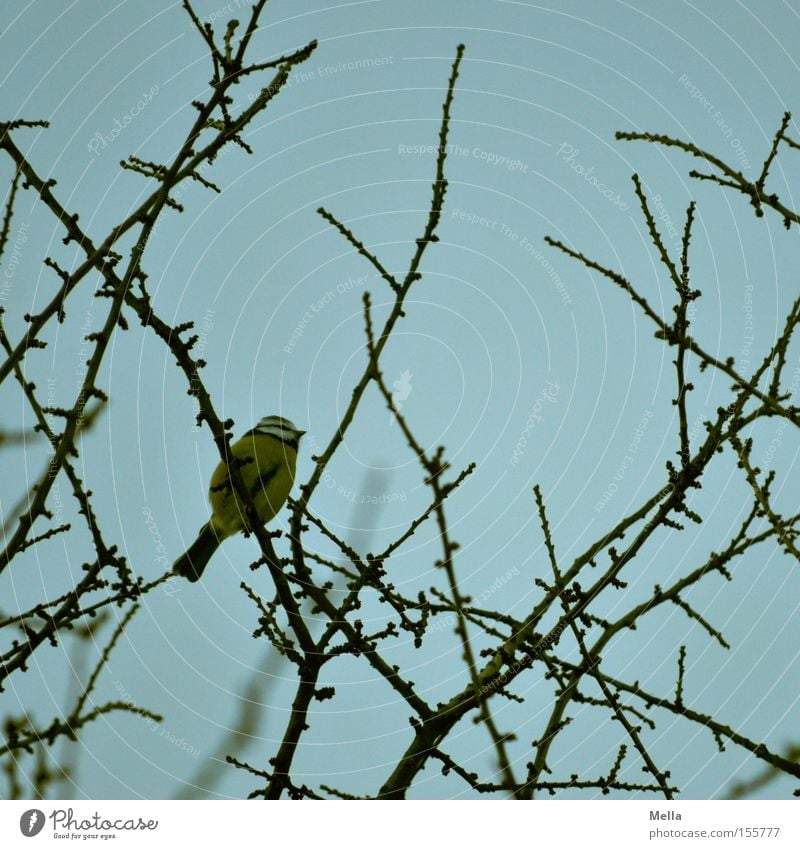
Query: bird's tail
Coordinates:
[195,559]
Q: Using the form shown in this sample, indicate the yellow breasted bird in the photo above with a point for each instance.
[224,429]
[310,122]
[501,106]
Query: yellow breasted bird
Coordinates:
[267,456]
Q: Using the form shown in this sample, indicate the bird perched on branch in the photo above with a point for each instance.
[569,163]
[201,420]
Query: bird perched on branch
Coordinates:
[266,457]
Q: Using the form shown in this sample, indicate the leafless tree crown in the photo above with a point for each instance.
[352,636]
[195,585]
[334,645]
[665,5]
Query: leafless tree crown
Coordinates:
[292,582]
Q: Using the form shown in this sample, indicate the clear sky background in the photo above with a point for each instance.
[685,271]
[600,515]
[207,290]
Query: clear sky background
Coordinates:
[509,347]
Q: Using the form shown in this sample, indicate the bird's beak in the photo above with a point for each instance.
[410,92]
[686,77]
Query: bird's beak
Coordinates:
[302,432]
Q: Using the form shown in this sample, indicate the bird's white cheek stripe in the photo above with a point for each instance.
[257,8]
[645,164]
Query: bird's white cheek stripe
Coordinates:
[278,433]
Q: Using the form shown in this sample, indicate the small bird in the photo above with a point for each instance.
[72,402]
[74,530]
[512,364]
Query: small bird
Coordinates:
[267,457]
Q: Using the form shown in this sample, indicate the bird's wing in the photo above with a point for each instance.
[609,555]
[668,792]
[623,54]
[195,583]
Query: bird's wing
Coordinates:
[264,478]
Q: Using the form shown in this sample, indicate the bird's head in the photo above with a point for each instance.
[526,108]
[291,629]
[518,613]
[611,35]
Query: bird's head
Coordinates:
[280,428]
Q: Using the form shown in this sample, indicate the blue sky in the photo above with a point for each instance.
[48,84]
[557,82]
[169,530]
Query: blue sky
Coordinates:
[512,355]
